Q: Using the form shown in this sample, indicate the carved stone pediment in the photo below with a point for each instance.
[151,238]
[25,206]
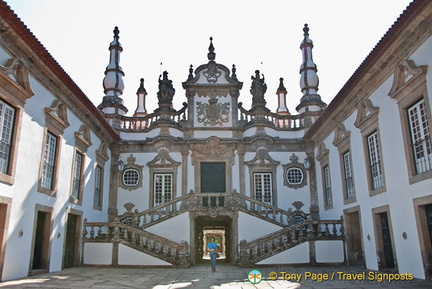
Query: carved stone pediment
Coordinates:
[405,73]
[341,135]
[14,71]
[102,153]
[323,152]
[213,149]
[163,159]
[82,138]
[366,113]
[262,158]
[56,116]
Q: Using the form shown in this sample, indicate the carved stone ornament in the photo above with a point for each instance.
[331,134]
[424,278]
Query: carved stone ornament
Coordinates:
[213,113]
[212,73]
[407,71]
[213,149]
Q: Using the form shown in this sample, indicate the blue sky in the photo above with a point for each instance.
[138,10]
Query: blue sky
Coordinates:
[262,35]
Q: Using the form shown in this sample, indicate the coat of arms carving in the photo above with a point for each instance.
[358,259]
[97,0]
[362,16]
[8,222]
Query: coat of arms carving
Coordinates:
[213,113]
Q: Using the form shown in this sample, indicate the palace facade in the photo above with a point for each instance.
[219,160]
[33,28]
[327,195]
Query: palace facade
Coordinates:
[344,183]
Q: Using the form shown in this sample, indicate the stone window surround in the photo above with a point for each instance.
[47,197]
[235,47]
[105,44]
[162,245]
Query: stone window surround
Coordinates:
[101,158]
[323,158]
[294,164]
[78,201]
[53,190]
[14,77]
[56,121]
[367,122]
[162,164]
[409,87]
[131,165]
[342,140]
[263,163]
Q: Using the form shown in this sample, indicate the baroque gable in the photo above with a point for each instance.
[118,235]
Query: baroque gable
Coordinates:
[406,73]
[16,74]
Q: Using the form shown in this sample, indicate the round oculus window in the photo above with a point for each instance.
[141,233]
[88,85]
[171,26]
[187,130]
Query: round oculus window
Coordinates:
[294,176]
[130,177]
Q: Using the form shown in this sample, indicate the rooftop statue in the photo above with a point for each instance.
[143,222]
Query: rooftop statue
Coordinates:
[166,89]
[258,88]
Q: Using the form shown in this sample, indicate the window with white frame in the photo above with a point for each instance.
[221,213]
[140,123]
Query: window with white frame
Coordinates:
[7,115]
[263,190]
[349,185]
[294,176]
[376,173]
[131,177]
[327,186]
[162,188]
[49,162]
[76,182]
[421,142]
[97,202]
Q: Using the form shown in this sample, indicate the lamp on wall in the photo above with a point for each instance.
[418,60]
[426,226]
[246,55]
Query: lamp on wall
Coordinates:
[120,165]
[307,163]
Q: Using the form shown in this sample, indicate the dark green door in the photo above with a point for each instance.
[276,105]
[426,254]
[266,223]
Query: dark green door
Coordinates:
[69,258]
[213,181]
[429,220]
[388,248]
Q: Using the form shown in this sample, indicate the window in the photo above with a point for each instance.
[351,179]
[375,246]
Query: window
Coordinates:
[327,187]
[131,177]
[349,185]
[163,188]
[420,137]
[7,115]
[77,176]
[294,176]
[263,187]
[49,161]
[97,202]
[377,180]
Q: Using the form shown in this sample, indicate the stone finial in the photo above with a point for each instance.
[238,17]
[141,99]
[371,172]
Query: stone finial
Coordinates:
[211,54]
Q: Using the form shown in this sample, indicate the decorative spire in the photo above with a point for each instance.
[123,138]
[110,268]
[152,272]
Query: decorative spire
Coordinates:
[141,96]
[233,72]
[281,93]
[113,81]
[308,70]
[190,76]
[211,55]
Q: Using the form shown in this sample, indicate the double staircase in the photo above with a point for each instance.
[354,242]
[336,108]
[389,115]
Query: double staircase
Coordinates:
[129,228]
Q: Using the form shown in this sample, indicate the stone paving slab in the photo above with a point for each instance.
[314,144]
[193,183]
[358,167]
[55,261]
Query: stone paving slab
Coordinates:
[225,277]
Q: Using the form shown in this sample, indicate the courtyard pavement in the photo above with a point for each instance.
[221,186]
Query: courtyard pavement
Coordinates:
[226,276]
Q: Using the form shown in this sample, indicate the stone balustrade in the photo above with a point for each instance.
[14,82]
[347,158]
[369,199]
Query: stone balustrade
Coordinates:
[146,242]
[288,237]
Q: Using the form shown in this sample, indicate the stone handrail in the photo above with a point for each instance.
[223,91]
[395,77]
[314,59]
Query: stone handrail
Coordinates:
[143,241]
[153,215]
[210,202]
[144,123]
[288,237]
[278,121]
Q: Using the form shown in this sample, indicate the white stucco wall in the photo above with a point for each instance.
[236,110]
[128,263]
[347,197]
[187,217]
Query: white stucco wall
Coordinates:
[175,229]
[129,256]
[329,251]
[251,228]
[297,255]
[97,254]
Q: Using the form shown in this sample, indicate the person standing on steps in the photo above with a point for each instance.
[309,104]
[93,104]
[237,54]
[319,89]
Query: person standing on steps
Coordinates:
[212,247]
